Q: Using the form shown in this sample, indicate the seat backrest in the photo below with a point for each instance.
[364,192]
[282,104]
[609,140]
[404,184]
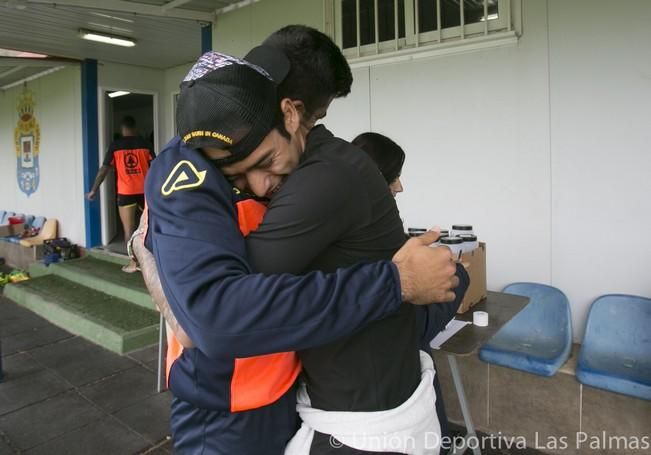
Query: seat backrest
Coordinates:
[620,325]
[2,216]
[5,218]
[38,222]
[29,219]
[49,230]
[548,311]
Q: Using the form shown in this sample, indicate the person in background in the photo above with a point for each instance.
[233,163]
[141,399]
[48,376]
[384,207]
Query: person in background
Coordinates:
[130,155]
[390,158]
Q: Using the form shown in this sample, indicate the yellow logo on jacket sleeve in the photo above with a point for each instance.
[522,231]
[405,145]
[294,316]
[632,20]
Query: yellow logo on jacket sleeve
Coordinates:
[184,176]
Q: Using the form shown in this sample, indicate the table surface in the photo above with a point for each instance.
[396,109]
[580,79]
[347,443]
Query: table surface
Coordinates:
[500,308]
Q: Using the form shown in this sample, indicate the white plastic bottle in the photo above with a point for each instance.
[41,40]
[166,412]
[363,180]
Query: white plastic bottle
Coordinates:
[415,232]
[458,229]
[454,243]
[470,242]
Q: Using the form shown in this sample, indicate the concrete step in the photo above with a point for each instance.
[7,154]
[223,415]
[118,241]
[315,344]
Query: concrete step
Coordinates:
[105,276]
[106,255]
[37,269]
[111,322]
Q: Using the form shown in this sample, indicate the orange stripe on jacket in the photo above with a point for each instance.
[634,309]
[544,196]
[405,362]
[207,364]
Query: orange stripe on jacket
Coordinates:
[260,380]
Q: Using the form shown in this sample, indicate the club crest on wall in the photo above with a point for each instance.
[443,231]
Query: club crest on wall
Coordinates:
[27,138]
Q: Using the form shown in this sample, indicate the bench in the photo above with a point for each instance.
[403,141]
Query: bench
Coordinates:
[21,252]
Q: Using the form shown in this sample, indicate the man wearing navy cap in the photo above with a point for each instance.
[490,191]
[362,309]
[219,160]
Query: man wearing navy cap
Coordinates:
[228,313]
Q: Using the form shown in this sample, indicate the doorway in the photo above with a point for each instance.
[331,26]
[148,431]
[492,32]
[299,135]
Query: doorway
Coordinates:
[114,106]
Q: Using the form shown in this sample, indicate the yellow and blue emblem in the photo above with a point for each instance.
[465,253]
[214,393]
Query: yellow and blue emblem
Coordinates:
[27,139]
[184,176]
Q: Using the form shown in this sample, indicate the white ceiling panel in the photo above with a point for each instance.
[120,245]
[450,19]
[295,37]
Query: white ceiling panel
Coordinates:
[53,29]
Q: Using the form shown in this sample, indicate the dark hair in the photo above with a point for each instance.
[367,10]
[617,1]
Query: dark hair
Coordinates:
[388,155]
[128,122]
[319,70]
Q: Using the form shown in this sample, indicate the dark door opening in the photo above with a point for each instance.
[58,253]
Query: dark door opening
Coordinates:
[141,107]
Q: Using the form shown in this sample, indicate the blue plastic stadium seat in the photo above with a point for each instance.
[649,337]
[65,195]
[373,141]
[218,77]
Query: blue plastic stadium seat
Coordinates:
[38,222]
[2,216]
[616,350]
[5,218]
[29,219]
[537,340]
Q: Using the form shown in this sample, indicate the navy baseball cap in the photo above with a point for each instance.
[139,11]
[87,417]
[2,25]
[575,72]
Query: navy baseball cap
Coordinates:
[230,103]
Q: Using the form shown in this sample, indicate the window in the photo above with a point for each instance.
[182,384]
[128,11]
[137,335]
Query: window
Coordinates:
[385,23]
[366,28]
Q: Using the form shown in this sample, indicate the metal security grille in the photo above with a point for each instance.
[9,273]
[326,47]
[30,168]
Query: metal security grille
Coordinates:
[367,28]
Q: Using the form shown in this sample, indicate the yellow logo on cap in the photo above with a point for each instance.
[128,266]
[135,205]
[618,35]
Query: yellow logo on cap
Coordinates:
[212,134]
[184,176]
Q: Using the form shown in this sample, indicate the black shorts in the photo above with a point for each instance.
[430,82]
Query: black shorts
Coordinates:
[127,200]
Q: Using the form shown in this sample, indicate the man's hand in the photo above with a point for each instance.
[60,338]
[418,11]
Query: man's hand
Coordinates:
[155,288]
[426,274]
[90,195]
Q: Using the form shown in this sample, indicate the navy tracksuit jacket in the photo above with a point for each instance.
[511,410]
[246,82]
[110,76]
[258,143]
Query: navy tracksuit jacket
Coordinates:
[231,313]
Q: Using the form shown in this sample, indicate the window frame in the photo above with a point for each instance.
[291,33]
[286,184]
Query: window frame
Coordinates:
[506,25]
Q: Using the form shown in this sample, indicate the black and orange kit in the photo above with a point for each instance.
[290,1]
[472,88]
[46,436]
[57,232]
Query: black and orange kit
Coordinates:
[335,210]
[131,157]
[234,391]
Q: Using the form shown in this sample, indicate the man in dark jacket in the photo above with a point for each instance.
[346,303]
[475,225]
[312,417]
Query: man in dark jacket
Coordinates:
[186,189]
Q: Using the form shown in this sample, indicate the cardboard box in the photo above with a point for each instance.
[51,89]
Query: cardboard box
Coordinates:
[476,292]
[8,230]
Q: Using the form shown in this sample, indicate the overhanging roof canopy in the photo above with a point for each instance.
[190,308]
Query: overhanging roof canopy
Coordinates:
[167,32]
[14,71]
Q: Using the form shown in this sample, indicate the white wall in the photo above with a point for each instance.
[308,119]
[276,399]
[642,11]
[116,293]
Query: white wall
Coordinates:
[172,80]
[60,193]
[238,31]
[600,78]
[475,128]
[543,145]
[524,138]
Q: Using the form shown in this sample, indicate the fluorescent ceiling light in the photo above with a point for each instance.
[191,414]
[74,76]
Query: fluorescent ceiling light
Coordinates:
[106,38]
[118,93]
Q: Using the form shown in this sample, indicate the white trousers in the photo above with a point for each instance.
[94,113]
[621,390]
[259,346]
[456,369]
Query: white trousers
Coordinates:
[412,428]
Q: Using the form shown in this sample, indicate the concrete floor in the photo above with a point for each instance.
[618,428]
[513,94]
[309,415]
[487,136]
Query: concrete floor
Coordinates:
[64,395]
[117,245]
